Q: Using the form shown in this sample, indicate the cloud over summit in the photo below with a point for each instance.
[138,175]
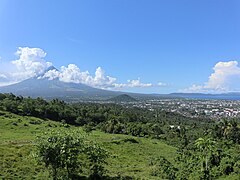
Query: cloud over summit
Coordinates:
[31,63]
[72,73]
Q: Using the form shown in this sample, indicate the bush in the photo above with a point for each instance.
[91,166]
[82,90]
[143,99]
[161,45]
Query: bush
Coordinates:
[96,157]
[163,168]
[68,153]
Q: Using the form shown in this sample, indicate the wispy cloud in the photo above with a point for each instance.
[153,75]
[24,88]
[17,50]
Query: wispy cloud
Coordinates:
[136,83]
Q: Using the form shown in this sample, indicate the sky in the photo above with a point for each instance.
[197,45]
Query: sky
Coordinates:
[146,46]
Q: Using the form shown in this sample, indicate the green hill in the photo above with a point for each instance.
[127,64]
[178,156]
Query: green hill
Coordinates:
[122,98]
[129,156]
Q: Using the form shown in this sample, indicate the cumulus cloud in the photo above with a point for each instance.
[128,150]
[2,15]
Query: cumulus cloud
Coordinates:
[72,73]
[223,73]
[102,79]
[225,78]
[51,74]
[31,63]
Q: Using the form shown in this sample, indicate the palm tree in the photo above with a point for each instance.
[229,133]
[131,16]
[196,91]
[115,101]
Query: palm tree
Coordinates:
[206,146]
[226,128]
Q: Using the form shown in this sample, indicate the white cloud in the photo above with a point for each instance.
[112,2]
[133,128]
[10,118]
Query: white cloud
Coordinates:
[31,63]
[101,79]
[162,84]
[225,78]
[138,84]
[3,76]
[133,83]
[51,74]
[72,73]
[223,72]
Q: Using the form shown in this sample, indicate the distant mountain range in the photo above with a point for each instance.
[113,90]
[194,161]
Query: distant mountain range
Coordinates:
[224,96]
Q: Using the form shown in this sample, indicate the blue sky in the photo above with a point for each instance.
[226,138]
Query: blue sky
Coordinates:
[176,43]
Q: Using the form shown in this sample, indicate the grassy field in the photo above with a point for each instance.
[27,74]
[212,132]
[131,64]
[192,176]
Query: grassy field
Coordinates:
[129,156]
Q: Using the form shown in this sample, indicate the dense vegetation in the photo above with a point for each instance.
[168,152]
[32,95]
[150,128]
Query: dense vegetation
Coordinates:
[128,156]
[205,149]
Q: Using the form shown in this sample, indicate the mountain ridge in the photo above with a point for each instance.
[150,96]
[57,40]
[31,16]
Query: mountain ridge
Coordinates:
[42,87]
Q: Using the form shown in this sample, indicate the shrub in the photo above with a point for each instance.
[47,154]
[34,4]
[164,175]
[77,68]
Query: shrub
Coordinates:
[163,168]
[68,153]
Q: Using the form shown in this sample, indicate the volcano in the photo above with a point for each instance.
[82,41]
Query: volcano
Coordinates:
[49,89]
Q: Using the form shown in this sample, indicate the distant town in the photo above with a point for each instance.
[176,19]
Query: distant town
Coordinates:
[214,109]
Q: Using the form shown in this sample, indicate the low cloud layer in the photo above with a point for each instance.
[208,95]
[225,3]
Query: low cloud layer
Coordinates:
[31,63]
[225,78]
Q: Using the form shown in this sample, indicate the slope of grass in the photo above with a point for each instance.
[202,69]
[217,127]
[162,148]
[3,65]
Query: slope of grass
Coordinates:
[129,156]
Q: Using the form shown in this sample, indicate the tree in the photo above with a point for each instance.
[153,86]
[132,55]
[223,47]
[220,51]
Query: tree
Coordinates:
[206,146]
[68,153]
[59,151]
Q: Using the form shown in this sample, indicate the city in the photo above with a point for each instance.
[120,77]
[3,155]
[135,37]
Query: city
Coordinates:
[214,109]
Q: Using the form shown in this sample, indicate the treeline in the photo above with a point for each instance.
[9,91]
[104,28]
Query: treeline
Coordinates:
[55,110]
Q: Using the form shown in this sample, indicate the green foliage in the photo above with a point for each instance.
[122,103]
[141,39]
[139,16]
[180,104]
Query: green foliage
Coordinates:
[65,153]
[206,146]
[97,158]
[59,151]
[226,165]
[163,168]
[210,160]
[128,159]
